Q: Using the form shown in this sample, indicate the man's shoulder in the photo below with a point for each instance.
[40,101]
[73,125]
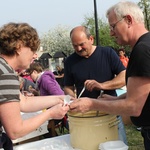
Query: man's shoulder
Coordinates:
[105,49]
[72,57]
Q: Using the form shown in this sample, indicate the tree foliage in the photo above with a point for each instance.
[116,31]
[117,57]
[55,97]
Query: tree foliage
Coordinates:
[57,39]
[145,6]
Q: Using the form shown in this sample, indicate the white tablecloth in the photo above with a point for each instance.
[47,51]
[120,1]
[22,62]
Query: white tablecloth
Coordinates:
[55,143]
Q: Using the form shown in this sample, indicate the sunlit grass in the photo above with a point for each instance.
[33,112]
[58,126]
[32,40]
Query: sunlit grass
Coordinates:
[135,140]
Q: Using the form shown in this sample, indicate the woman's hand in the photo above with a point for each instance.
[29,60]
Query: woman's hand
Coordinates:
[58,111]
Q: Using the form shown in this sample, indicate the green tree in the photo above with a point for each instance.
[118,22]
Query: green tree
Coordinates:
[145,6]
[57,39]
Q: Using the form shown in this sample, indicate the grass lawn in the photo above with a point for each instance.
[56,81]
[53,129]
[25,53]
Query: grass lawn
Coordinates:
[135,140]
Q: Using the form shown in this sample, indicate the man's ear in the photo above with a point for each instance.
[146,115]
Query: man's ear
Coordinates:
[91,38]
[129,19]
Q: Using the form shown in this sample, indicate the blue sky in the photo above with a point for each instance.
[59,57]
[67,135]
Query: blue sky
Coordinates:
[47,14]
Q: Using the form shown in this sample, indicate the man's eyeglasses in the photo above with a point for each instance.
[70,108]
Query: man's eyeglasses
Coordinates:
[112,27]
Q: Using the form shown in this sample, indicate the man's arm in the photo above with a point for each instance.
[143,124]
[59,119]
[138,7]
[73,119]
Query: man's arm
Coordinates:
[115,83]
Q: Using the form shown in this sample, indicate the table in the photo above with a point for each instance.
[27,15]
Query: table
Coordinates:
[58,142]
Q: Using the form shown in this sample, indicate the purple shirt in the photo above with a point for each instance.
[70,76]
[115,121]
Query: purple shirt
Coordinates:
[48,85]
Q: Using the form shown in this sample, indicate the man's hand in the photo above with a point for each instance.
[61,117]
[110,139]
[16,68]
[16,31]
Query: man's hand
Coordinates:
[92,85]
[81,105]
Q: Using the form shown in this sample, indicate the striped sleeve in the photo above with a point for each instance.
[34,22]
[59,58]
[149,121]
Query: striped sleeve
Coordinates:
[9,83]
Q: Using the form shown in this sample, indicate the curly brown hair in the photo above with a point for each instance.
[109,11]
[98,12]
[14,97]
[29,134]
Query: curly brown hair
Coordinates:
[12,33]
